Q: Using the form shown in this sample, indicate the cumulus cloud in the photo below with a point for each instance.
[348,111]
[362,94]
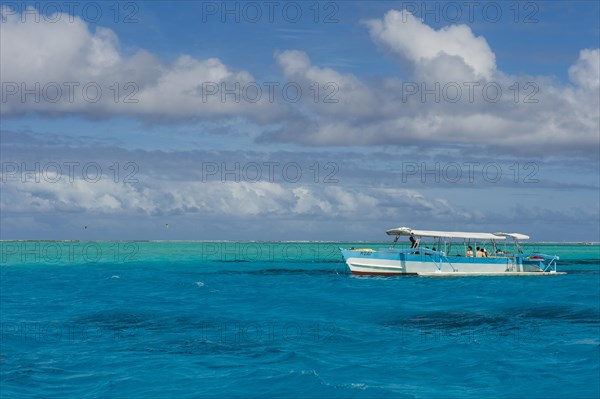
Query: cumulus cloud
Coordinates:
[585,73]
[338,92]
[67,68]
[455,96]
[228,199]
[519,114]
[453,52]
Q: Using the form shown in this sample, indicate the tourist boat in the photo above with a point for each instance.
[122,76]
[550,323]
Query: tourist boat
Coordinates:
[450,254]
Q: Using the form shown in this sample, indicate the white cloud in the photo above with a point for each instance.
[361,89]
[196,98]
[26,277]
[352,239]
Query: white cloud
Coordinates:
[586,71]
[227,199]
[453,52]
[338,92]
[562,119]
[67,55]
[544,118]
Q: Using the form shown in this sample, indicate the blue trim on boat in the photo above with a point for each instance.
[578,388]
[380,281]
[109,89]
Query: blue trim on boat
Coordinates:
[424,255]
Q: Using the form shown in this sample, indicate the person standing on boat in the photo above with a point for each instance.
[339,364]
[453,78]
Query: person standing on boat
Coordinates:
[413,242]
[469,252]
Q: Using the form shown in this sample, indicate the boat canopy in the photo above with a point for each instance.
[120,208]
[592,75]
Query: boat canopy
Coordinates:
[515,236]
[405,231]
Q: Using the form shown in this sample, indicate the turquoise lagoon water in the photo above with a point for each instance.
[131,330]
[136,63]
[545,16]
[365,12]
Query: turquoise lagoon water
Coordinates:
[215,319]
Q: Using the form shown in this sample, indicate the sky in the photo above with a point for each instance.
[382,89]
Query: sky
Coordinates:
[289,120]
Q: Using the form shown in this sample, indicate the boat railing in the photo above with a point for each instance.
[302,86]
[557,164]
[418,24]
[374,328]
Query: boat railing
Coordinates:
[549,261]
[418,251]
[435,254]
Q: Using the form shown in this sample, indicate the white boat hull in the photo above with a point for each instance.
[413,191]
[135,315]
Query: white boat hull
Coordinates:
[366,263]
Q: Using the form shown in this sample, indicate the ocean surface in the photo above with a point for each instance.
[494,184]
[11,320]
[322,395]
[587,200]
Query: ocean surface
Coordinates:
[257,319]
